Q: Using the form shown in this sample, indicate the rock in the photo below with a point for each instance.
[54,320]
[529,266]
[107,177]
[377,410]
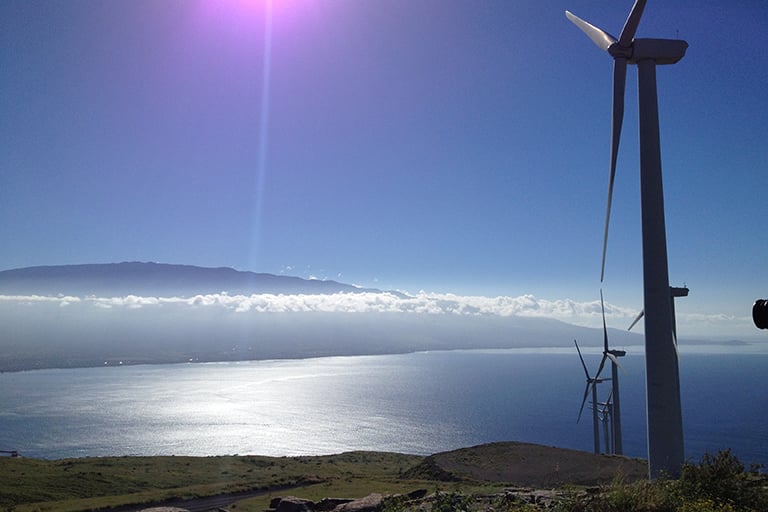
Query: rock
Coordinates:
[417,494]
[328,504]
[291,504]
[371,503]
[542,498]
[164,509]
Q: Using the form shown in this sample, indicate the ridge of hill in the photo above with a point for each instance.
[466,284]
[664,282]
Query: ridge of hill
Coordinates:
[528,465]
[158,279]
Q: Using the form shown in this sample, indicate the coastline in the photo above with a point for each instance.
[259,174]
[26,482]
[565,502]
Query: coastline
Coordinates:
[61,362]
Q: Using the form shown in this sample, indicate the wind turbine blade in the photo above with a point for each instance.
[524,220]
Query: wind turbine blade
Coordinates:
[630,27]
[605,329]
[606,404]
[619,85]
[600,369]
[674,342]
[583,402]
[601,38]
[582,361]
[637,319]
[615,360]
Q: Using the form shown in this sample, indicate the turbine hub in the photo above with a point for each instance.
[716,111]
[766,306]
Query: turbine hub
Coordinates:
[616,51]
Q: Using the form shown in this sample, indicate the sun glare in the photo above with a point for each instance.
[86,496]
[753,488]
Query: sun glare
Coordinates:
[233,13]
[237,14]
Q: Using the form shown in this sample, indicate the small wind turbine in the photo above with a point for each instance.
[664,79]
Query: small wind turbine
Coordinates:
[614,356]
[592,383]
[665,424]
[607,421]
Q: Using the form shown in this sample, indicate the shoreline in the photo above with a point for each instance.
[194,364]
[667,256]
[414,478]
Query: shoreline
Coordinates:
[71,363]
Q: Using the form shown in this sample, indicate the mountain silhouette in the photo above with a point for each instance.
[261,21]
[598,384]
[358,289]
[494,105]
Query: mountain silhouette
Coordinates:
[159,280]
[84,332]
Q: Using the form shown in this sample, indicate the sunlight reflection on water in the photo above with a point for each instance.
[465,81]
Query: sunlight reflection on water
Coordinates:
[416,403]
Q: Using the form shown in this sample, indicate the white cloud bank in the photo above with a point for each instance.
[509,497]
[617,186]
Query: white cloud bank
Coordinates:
[585,314]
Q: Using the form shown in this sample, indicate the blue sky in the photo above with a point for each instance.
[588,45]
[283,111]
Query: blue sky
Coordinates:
[445,146]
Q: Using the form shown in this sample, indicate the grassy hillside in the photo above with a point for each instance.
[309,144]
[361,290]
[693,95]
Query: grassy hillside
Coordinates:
[82,484]
[530,465]
[498,477]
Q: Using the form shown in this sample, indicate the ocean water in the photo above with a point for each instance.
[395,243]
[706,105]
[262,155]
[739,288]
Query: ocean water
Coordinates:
[414,403]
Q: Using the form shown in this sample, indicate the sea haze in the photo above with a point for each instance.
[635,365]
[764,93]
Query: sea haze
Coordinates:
[415,403]
[89,315]
[433,398]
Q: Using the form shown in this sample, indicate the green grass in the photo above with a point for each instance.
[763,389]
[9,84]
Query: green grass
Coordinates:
[83,484]
[718,483]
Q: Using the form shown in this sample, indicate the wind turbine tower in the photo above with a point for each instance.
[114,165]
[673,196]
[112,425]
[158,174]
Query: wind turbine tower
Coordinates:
[616,446]
[674,292]
[665,424]
[592,383]
[607,421]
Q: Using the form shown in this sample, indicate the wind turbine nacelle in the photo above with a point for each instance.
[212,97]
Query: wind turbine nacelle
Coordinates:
[661,51]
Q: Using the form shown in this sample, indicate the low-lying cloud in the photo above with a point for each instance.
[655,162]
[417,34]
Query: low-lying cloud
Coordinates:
[45,331]
[429,303]
[585,314]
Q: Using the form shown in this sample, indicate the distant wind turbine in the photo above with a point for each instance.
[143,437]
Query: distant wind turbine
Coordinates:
[606,409]
[665,425]
[592,383]
[617,446]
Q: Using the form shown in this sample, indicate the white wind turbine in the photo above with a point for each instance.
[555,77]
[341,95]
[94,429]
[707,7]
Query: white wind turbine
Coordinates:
[592,383]
[616,446]
[606,413]
[665,425]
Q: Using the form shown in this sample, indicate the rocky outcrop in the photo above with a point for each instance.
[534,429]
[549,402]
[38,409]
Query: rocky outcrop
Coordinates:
[291,504]
[164,509]
[371,503]
[329,504]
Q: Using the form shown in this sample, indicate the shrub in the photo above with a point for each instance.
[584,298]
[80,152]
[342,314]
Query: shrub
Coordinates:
[451,502]
[721,481]
[644,495]
[705,505]
[508,502]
